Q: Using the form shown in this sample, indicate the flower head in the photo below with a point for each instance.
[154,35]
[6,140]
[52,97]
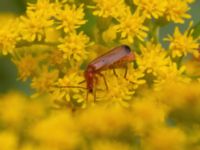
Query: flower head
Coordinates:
[172,74]
[63,128]
[9,36]
[67,88]
[113,8]
[44,7]
[176,10]
[119,91]
[181,44]
[153,58]
[151,8]
[70,18]
[15,106]
[33,26]
[148,115]
[27,66]
[111,145]
[101,121]
[8,140]
[74,46]
[44,82]
[131,27]
[165,138]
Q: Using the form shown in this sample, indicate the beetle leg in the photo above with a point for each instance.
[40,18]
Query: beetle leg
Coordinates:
[115,72]
[94,94]
[87,96]
[126,70]
[104,80]
[94,89]
[82,82]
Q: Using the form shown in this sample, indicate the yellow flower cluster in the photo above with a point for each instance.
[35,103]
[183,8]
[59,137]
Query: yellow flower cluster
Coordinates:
[151,103]
[151,122]
[171,10]
[182,44]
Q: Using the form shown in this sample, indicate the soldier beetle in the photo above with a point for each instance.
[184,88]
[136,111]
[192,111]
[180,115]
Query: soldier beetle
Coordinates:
[118,57]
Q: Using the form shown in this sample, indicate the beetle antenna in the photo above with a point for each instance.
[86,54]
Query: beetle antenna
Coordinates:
[80,87]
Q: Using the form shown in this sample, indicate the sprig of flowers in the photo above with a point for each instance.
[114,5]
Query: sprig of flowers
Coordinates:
[154,104]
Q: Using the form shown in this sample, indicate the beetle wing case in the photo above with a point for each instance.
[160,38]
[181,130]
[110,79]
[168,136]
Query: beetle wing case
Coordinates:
[110,57]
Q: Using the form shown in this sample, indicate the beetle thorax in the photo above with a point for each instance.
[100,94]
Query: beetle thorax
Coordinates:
[89,76]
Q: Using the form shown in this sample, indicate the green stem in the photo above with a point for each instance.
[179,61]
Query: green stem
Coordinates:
[28,44]
[155,33]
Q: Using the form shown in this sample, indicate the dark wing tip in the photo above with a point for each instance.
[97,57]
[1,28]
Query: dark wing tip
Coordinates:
[127,48]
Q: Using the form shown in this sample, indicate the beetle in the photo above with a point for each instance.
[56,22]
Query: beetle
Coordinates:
[117,57]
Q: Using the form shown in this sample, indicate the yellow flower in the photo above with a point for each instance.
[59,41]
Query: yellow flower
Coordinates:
[57,131]
[8,141]
[181,44]
[9,36]
[119,91]
[135,76]
[183,97]
[147,114]
[191,68]
[110,145]
[110,34]
[71,18]
[113,8]
[74,47]
[12,109]
[68,94]
[131,27]
[33,26]
[165,138]
[27,66]
[55,58]
[176,10]
[151,8]
[153,59]
[43,6]
[171,74]
[103,121]
[44,82]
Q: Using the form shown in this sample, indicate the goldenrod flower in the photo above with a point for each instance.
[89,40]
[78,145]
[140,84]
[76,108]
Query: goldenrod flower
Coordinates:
[172,74]
[119,90]
[151,8]
[9,36]
[182,95]
[8,140]
[165,138]
[74,46]
[44,82]
[111,145]
[113,8]
[131,27]
[104,121]
[135,77]
[182,44]
[150,106]
[177,10]
[63,130]
[33,26]
[27,66]
[147,115]
[71,18]
[62,92]
[153,59]
[110,34]
[12,108]
[44,7]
